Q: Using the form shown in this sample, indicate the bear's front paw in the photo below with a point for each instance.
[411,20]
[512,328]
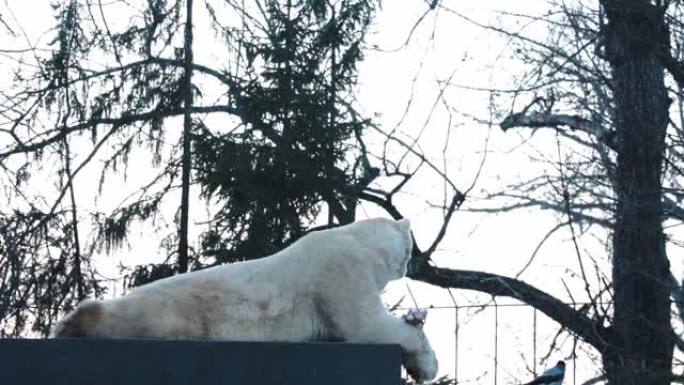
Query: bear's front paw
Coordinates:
[422,366]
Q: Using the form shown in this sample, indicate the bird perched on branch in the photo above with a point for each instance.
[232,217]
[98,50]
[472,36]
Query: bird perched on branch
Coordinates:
[552,376]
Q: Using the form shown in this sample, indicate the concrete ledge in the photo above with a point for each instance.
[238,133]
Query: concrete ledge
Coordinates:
[68,361]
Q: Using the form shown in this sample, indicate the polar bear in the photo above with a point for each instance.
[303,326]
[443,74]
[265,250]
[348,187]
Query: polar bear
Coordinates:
[325,286]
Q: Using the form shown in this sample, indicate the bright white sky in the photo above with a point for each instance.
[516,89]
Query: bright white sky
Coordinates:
[444,47]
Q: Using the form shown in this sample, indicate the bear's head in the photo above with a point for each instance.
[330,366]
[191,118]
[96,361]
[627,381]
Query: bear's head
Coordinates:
[385,244]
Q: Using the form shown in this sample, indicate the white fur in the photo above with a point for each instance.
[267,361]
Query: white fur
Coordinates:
[324,286]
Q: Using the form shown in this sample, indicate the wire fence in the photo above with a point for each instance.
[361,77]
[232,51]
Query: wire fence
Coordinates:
[504,343]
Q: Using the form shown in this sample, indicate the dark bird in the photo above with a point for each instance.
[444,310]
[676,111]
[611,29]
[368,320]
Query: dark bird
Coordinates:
[552,376]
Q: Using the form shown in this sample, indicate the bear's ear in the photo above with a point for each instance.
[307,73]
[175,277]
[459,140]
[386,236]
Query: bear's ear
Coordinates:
[404,223]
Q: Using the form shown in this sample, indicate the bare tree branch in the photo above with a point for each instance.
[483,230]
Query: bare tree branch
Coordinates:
[595,380]
[575,123]
[581,325]
[119,121]
[674,67]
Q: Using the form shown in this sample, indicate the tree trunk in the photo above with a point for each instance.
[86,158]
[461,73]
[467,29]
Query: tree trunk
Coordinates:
[186,157]
[641,352]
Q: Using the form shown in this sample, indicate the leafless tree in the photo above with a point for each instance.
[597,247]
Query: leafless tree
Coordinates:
[599,80]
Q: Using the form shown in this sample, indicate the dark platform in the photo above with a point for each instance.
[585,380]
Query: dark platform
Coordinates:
[68,361]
